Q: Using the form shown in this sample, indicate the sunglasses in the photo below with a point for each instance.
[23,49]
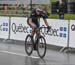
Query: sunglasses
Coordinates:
[38,11]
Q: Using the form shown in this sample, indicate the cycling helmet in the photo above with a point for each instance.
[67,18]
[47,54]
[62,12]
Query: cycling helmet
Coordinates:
[38,10]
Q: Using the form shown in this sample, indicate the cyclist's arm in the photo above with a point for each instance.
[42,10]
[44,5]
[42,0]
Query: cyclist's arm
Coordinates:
[48,27]
[45,20]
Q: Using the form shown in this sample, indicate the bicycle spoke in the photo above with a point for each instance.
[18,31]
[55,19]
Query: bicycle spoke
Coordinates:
[41,47]
[29,45]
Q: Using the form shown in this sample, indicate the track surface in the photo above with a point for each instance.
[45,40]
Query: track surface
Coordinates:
[14,54]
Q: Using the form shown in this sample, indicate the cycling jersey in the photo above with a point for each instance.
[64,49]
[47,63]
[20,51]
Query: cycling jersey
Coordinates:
[36,18]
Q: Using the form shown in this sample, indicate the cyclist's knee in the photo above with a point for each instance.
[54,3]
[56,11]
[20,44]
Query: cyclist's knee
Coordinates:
[38,33]
[33,32]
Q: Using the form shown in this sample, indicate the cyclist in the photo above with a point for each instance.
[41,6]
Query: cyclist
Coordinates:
[34,19]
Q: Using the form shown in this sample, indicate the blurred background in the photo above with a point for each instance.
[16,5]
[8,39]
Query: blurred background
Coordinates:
[53,8]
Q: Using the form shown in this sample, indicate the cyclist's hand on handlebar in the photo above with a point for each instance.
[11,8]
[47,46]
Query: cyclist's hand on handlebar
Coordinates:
[49,28]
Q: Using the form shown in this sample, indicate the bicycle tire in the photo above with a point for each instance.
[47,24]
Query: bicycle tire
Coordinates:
[41,56]
[28,53]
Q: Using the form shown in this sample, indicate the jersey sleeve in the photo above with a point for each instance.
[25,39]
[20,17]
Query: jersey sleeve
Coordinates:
[44,16]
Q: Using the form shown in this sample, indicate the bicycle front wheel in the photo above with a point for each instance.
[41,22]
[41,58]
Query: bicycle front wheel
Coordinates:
[41,47]
[29,44]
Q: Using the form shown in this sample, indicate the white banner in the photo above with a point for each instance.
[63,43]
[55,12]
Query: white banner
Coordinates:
[59,33]
[19,28]
[72,34]
[57,36]
[4,27]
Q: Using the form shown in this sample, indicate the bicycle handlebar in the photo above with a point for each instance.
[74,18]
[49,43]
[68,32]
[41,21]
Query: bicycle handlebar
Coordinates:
[45,29]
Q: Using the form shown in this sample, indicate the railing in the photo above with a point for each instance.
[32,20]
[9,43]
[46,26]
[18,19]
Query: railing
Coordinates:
[15,12]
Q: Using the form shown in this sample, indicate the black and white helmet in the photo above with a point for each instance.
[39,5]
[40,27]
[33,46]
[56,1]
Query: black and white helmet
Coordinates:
[38,9]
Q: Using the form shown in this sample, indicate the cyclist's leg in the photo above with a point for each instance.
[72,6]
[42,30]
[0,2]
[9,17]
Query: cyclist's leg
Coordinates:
[33,29]
[32,25]
[33,33]
[37,34]
[38,31]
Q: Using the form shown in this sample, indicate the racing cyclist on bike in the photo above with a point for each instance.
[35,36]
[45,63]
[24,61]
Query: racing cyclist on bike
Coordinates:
[34,20]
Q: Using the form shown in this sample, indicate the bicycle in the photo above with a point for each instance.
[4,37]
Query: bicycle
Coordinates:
[38,42]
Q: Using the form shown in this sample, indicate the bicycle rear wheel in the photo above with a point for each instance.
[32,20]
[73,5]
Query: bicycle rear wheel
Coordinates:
[29,44]
[41,47]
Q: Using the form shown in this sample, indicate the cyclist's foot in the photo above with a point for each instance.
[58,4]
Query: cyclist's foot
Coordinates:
[35,48]
[32,36]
